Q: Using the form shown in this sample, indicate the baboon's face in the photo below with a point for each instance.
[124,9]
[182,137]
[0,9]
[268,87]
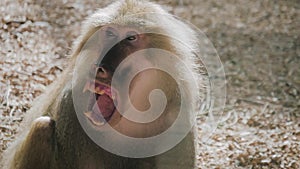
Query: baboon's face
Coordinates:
[119,43]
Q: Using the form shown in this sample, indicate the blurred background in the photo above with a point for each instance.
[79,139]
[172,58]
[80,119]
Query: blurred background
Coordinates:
[258,42]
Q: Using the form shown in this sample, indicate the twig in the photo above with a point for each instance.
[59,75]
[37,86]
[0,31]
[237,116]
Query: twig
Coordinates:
[8,94]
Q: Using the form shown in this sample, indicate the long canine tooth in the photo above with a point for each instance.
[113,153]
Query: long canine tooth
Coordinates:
[95,88]
[97,123]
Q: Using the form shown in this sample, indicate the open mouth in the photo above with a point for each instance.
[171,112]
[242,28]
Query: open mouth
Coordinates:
[101,105]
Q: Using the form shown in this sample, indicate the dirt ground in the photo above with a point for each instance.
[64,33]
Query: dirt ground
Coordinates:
[257,41]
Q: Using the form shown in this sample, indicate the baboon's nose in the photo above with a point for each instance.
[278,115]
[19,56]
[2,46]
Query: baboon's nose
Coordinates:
[102,72]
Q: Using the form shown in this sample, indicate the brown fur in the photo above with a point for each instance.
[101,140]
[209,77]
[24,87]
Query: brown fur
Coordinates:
[61,143]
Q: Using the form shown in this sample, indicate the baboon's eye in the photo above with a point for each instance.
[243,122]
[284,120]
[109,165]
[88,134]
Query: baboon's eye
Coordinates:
[110,33]
[132,36]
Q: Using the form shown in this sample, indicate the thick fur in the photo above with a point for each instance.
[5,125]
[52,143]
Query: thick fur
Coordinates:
[61,143]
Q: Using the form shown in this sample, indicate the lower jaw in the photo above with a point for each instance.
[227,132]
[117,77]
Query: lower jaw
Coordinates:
[112,121]
[95,116]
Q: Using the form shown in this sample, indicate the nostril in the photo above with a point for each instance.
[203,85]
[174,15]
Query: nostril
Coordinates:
[101,69]
[101,72]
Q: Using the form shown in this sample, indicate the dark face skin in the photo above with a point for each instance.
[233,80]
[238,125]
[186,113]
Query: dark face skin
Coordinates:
[119,43]
[108,105]
[118,47]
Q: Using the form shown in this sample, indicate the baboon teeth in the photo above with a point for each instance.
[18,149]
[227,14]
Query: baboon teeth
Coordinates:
[101,105]
[98,88]
[95,119]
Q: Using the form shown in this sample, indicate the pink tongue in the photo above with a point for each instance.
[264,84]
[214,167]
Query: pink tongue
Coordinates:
[105,104]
